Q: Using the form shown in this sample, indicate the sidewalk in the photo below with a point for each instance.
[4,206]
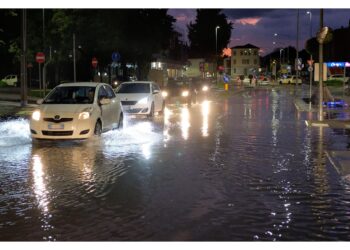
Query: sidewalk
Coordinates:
[341,162]
[10,106]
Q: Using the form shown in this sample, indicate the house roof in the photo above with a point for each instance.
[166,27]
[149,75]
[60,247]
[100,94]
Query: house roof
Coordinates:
[247,46]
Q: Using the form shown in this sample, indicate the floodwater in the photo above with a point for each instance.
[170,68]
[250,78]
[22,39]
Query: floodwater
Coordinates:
[243,168]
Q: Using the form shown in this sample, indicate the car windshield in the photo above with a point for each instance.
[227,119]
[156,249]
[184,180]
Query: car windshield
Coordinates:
[71,95]
[134,88]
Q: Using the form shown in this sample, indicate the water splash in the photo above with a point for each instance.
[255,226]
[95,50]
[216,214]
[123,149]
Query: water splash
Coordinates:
[14,132]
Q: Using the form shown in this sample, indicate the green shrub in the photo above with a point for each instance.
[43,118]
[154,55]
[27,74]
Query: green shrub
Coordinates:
[38,93]
[335,83]
[3,84]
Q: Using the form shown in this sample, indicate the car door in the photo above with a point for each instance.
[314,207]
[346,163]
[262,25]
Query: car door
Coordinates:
[105,109]
[115,108]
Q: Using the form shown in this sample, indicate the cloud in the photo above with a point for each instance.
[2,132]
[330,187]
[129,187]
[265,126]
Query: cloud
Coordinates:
[249,21]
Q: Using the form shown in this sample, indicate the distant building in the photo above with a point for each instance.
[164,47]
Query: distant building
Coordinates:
[245,61]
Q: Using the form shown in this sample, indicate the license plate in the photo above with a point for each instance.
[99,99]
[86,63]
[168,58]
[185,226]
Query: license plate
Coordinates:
[56,126]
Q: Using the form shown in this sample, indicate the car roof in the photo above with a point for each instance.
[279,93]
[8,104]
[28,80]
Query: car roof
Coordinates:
[136,82]
[81,84]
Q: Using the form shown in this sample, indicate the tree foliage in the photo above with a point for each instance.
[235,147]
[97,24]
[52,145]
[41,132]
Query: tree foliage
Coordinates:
[137,34]
[202,35]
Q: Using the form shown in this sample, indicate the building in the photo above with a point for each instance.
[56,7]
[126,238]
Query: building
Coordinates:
[245,61]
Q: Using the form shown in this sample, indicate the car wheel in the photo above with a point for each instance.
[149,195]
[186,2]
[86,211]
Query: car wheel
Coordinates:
[151,113]
[98,128]
[121,121]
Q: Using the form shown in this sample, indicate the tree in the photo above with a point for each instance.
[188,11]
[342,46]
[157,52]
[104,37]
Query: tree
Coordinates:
[201,33]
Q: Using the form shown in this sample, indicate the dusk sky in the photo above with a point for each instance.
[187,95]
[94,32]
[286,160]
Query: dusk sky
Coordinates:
[257,26]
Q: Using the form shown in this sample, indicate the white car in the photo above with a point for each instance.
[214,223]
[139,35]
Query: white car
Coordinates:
[10,80]
[290,80]
[141,98]
[76,111]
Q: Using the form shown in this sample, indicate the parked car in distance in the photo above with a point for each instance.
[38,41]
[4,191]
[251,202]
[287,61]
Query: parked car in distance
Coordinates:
[141,98]
[290,79]
[10,80]
[76,111]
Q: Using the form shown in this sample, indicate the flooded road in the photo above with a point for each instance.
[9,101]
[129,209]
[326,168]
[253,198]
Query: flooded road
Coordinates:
[243,168]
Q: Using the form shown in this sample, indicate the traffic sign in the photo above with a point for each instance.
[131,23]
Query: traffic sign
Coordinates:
[40,57]
[115,56]
[226,78]
[310,69]
[310,62]
[94,62]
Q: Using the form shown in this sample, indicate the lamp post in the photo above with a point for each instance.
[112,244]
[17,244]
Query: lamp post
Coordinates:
[281,59]
[74,66]
[216,52]
[310,13]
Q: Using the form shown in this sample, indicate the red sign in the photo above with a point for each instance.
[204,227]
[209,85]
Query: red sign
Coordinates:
[40,57]
[94,62]
[310,62]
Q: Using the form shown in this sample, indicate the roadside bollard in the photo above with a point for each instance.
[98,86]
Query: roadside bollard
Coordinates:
[226,86]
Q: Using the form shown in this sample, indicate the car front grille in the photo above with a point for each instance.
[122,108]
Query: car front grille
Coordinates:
[47,119]
[133,111]
[57,133]
[128,102]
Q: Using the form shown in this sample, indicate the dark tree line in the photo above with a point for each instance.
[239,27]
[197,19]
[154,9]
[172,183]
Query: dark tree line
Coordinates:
[137,34]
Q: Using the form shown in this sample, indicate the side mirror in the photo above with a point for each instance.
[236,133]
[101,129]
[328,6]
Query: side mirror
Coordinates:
[39,101]
[155,91]
[105,101]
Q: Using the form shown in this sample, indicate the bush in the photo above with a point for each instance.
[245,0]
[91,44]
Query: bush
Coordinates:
[335,83]
[3,84]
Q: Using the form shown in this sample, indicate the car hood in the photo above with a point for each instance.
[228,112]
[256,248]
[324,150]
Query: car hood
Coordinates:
[63,108]
[132,96]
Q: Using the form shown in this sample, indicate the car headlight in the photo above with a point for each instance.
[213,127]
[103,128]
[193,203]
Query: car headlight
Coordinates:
[185,93]
[36,115]
[143,101]
[205,88]
[84,115]
[164,93]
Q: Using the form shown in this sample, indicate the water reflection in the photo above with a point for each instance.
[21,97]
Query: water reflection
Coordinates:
[185,122]
[205,114]
[42,195]
[167,114]
[39,185]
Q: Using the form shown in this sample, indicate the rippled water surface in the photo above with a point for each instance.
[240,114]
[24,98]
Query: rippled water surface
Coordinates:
[242,168]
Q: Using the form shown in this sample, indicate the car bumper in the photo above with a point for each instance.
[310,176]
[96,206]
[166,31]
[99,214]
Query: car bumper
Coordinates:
[136,109]
[76,129]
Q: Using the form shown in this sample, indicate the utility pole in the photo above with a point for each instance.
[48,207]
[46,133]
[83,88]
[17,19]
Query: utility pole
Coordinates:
[24,97]
[216,53]
[74,68]
[320,50]
[311,62]
[297,47]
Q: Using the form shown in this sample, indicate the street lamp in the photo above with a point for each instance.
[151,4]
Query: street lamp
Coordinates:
[281,59]
[216,52]
[310,95]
